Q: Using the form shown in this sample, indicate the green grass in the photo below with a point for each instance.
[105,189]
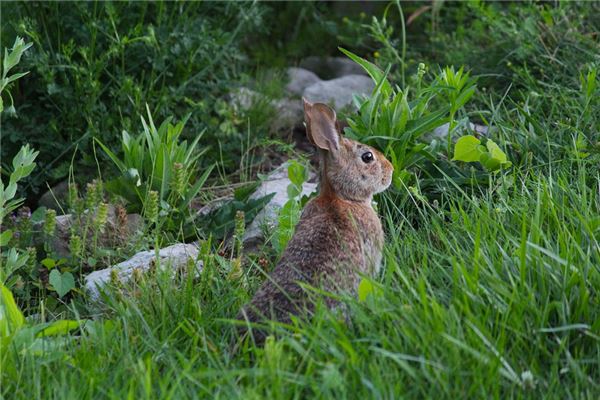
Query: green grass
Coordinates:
[478,298]
[487,291]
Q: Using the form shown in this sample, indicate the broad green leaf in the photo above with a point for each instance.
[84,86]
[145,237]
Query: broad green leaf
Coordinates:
[5,237]
[490,163]
[10,312]
[48,263]
[60,327]
[61,282]
[297,173]
[495,151]
[367,288]
[467,149]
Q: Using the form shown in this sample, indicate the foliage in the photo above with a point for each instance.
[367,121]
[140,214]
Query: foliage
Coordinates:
[396,120]
[19,337]
[95,65]
[221,221]
[11,260]
[489,283]
[289,215]
[158,160]
[469,149]
[9,61]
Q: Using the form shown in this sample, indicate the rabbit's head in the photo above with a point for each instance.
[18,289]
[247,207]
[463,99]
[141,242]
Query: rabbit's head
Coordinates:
[351,170]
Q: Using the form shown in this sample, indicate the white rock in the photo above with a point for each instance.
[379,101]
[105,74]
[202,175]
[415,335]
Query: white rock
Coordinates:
[172,257]
[300,79]
[277,183]
[339,91]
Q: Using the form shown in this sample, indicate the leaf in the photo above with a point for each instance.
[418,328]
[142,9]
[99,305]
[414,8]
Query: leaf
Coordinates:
[60,327]
[62,283]
[374,72]
[190,194]
[297,173]
[495,151]
[10,312]
[48,263]
[367,288]
[467,149]
[112,156]
[288,218]
[5,237]
[133,175]
[490,163]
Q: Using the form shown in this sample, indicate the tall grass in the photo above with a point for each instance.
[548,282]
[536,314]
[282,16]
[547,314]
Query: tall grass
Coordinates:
[489,289]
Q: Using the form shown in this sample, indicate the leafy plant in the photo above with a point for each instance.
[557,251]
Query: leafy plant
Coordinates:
[10,60]
[110,59]
[289,214]
[23,164]
[221,221]
[157,160]
[19,338]
[469,149]
[396,120]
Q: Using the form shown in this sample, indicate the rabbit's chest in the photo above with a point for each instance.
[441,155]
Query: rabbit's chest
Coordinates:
[371,238]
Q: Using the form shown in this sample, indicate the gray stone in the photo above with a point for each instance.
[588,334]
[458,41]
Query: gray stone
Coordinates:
[173,258]
[300,79]
[288,114]
[55,197]
[339,92]
[277,182]
[331,67]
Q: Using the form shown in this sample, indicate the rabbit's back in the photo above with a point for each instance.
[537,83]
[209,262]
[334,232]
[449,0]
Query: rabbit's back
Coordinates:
[334,241]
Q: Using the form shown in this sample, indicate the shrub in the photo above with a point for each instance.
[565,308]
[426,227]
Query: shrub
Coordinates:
[95,65]
[157,163]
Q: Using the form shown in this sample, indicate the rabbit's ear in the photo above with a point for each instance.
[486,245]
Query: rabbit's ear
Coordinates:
[321,126]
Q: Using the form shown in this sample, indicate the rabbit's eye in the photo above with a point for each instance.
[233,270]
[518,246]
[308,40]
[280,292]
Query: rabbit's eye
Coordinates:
[367,157]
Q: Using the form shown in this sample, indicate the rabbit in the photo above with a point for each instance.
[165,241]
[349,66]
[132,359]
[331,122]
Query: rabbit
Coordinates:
[338,236]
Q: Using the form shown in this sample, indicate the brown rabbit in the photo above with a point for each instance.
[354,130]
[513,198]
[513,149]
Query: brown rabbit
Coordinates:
[339,235]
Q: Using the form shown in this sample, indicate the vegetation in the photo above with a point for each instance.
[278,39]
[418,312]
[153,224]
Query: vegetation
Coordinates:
[491,277]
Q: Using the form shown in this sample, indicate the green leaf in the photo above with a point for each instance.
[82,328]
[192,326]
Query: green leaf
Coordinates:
[14,77]
[48,263]
[62,283]
[60,327]
[5,237]
[490,163]
[374,72]
[297,173]
[9,312]
[467,149]
[495,151]
[367,288]
[112,156]
[288,218]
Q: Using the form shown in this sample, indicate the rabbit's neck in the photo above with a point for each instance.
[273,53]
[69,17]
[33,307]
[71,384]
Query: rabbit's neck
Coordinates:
[326,189]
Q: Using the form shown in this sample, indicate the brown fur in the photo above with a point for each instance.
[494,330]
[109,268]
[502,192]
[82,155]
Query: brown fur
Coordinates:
[339,235]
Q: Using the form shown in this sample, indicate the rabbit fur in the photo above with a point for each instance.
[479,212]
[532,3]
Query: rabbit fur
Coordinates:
[338,236]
